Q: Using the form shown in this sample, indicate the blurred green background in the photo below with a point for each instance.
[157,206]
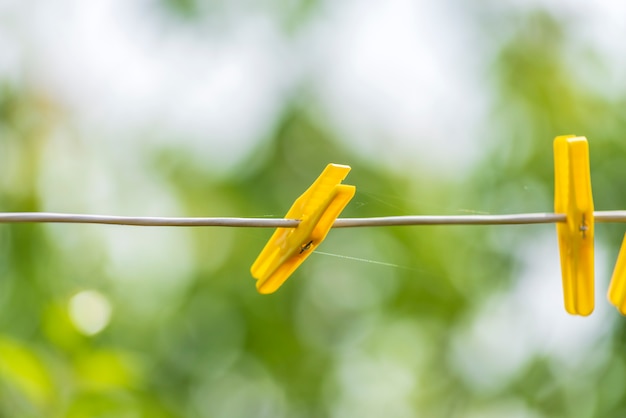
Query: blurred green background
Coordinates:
[232,108]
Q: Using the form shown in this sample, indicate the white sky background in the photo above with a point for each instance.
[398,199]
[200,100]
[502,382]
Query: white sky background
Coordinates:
[388,75]
[401,82]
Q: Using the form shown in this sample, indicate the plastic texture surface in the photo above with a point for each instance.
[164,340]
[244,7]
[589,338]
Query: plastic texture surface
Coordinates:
[617,288]
[316,209]
[572,196]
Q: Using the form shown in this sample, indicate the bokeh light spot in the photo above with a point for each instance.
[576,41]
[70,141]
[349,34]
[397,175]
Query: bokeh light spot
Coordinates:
[90,311]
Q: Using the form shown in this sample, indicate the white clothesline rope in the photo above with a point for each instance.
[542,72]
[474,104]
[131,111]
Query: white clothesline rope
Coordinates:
[617,216]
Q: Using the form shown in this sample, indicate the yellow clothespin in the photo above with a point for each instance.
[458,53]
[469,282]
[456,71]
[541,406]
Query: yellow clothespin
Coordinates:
[617,288]
[316,209]
[572,196]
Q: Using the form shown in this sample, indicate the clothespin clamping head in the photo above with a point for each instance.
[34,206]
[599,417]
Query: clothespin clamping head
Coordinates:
[572,197]
[316,210]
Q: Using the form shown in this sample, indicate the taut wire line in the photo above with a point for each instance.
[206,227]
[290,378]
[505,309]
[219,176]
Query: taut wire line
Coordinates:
[617,216]
[31,217]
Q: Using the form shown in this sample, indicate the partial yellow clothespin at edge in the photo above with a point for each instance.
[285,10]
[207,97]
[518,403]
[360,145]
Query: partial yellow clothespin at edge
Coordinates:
[617,288]
[316,210]
[572,197]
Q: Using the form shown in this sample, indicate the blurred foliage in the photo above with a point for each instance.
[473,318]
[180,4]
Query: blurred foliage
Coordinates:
[343,337]
[291,14]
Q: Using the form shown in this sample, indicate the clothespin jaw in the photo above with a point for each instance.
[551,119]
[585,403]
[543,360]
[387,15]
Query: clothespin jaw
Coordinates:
[572,196]
[617,289]
[317,209]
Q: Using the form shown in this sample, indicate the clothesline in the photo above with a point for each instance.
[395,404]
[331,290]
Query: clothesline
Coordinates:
[311,216]
[617,216]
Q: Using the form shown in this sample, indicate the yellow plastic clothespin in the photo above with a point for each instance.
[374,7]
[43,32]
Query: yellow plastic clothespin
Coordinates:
[617,288]
[572,196]
[316,209]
